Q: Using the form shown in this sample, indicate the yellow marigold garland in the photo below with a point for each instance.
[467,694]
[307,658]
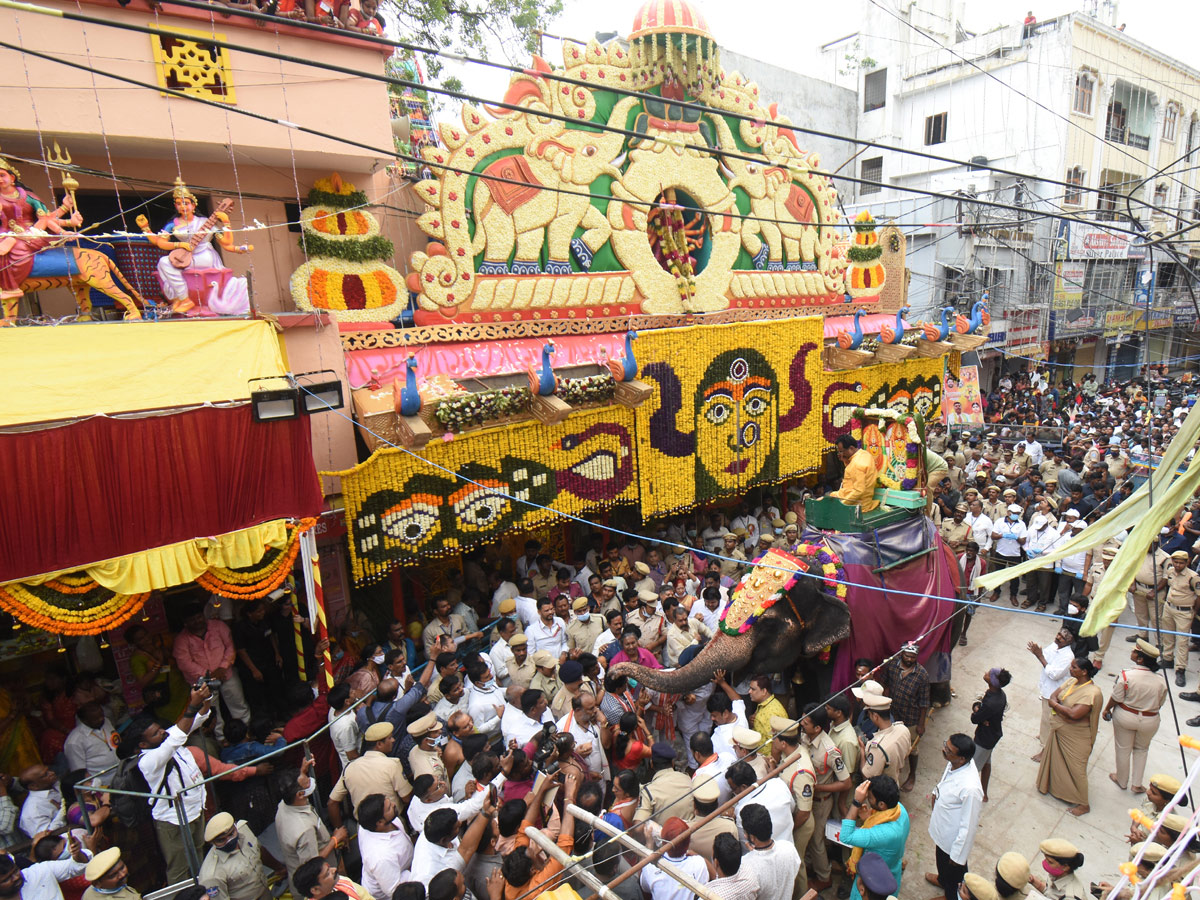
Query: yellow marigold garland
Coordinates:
[260,579]
[67,605]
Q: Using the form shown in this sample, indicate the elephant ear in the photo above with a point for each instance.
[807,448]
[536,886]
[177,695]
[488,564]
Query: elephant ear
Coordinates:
[826,619]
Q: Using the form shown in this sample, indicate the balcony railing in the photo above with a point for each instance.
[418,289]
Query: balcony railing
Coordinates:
[1138,141]
[1119,135]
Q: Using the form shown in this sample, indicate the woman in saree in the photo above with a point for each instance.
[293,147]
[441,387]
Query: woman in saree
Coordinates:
[1075,709]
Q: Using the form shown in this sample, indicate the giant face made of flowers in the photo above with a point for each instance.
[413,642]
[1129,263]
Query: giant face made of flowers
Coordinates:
[732,409]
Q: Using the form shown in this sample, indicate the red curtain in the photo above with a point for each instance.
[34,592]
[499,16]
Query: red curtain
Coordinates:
[107,487]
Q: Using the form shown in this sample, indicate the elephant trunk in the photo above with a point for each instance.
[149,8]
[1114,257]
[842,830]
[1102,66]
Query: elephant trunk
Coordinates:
[722,652]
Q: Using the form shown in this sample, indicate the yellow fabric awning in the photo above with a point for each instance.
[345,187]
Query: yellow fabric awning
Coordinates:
[162,567]
[131,366]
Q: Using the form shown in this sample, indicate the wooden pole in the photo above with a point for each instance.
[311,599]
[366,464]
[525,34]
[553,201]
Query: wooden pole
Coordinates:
[557,853]
[640,849]
[670,845]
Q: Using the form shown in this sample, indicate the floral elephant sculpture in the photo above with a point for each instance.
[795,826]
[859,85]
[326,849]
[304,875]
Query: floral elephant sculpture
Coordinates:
[783,231]
[516,212]
[804,621]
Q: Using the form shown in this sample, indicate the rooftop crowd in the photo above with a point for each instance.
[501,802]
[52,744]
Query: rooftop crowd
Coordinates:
[442,741]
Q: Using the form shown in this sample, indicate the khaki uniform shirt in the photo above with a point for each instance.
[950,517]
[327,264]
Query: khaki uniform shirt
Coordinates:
[456,628]
[886,753]
[372,773]
[800,778]
[1021,463]
[301,834]
[846,741]
[937,443]
[653,627]
[730,569]
[125,893]
[521,675]
[657,800]
[956,534]
[582,635]
[827,761]
[426,762]
[1182,588]
[1153,569]
[702,838]
[550,686]
[995,509]
[1140,689]
[955,474]
[1050,469]
[561,704]
[760,764]
[237,875]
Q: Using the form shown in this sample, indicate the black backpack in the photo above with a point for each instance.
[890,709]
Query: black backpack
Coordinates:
[133,811]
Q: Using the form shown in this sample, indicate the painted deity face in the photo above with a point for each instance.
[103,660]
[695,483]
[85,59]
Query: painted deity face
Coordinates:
[6,180]
[185,207]
[737,407]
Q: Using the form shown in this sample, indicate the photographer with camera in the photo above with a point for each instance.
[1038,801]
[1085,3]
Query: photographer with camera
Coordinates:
[170,769]
[204,651]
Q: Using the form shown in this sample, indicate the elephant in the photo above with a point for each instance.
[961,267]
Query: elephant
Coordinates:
[803,623]
[508,214]
[782,212]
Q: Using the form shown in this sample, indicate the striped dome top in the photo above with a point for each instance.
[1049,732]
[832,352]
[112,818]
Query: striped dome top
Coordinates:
[668,16]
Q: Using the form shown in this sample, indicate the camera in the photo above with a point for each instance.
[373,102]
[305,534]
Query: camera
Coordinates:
[550,744]
[213,684]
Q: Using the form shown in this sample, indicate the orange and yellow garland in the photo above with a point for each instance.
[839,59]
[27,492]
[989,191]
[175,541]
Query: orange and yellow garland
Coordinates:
[71,603]
[260,579]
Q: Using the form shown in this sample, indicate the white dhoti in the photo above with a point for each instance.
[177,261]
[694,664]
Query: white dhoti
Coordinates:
[174,287]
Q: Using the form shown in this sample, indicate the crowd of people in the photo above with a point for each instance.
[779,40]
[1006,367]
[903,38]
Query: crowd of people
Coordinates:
[444,744]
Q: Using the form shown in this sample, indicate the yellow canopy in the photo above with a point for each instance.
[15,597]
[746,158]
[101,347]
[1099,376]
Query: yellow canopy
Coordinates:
[162,567]
[72,371]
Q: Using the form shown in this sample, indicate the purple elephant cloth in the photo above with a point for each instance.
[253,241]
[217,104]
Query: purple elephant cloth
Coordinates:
[883,618]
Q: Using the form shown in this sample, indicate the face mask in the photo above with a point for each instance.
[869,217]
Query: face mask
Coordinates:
[228,848]
[312,786]
[584,616]
[1053,868]
[1072,610]
[339,654]
[378,660]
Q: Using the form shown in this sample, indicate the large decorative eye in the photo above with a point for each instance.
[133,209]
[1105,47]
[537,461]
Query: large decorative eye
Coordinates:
[480,507]
[756,401]
[718,408]
[412,522]
[589,150]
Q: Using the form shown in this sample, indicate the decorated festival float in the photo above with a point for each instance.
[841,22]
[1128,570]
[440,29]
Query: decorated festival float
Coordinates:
[635,297]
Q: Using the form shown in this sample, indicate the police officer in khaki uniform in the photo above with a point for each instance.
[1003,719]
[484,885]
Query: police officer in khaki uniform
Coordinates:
[108,876]
[546,680]
[801,780]
[1183,586]
[375,772]
[780,541]
[582,632]
[520,668]
[885,753]
[733,564]
[233,866]
[831,779]
[1091,581]
[705,797]
[1133,709]
[956,532]
[657,800]
[745,747]
[1148,589]
[426,758]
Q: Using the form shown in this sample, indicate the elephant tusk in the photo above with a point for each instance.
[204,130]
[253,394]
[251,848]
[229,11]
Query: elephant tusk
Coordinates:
[727,172]
[620,160]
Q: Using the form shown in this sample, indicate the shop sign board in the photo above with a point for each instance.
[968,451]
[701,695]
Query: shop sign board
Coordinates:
[1068,284]
[1095,242]
[1125,321]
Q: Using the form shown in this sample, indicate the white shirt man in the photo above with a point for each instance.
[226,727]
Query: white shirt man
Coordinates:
[419,810]
[505,591]
[498,657]
[981,530]
[386,858]
[722,735]
[1035,451]
[777,798]
[588,733]
[41,879]
[181,772]
[526,611]
[714,538]
[482,700]
[43,811]
[430,858]
[658,885]
[1073,564]
[715,769]
[343,731]
[1009,533]
[957,802]
[751,525]
[775,868]
[93,749]
[1040,536]
[1056,671]
[515,725]
[552,637]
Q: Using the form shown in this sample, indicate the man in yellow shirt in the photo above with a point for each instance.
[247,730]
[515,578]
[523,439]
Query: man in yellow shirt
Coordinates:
[768,707]
[858,482]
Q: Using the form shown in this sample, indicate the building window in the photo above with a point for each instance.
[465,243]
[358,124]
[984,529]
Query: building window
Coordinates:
[1085,86]
[198,68]
[875,90]
[871,171]
[1073,195]
[935,129]
[1170,123]
[1160,194]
